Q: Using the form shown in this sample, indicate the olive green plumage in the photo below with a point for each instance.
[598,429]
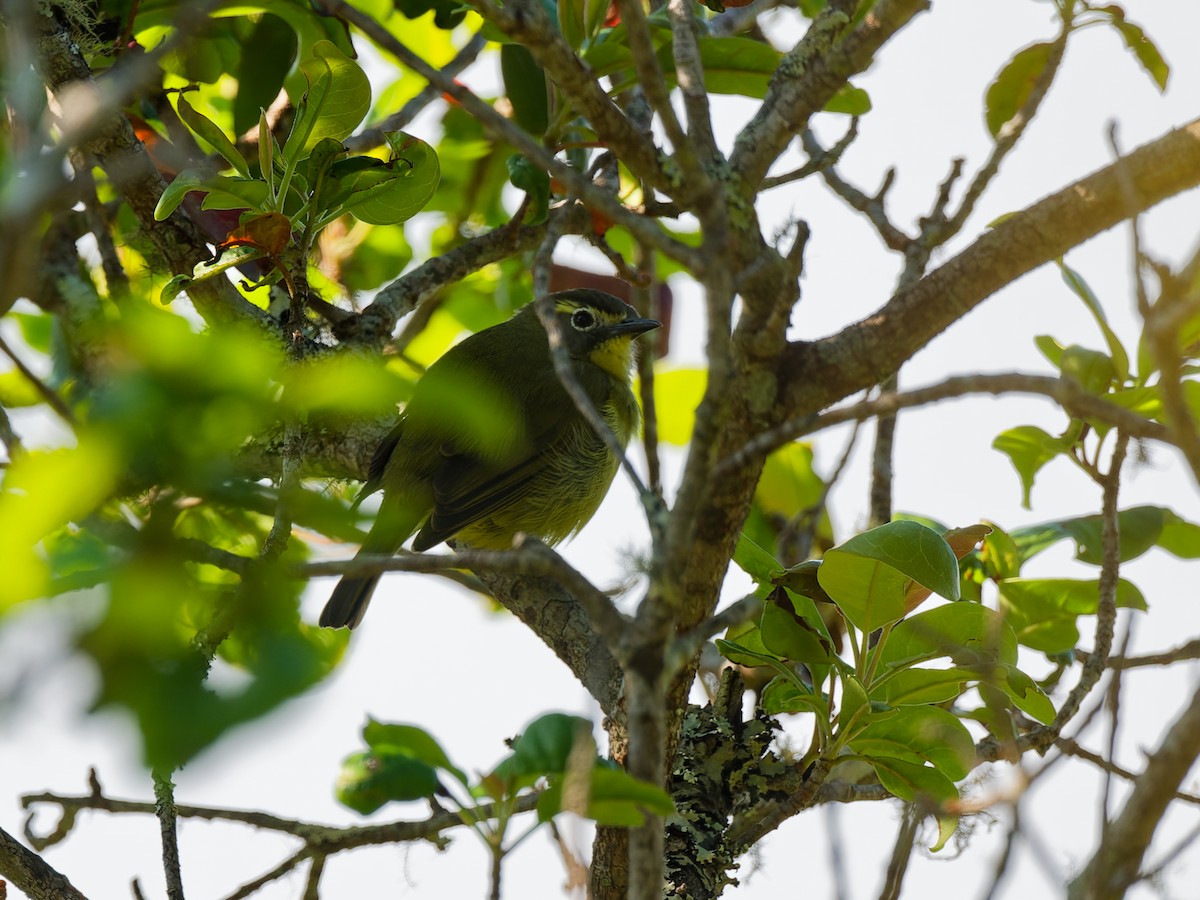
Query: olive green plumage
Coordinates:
[492,445]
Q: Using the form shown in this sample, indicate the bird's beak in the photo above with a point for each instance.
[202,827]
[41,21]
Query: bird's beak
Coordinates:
[632,327]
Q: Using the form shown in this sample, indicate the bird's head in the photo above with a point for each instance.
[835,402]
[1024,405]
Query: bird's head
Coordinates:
[599,328]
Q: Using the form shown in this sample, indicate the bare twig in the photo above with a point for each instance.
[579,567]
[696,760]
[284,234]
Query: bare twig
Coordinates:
[1068,393]
[374,136]
[1106,612]
[325,839]
[1071,747]
[1190,650]
[1115,864]
[902,851]
[1006,141]
[819,163]
[871,206]
[165,810]
[47,393]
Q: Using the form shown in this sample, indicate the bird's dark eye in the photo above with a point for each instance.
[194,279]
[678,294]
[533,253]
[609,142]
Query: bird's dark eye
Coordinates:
[582,319]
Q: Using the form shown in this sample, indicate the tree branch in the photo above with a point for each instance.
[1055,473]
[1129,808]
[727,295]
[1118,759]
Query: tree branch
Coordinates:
[1115,864]
[31,874]
[863,354]
[1073,399]
[809,76]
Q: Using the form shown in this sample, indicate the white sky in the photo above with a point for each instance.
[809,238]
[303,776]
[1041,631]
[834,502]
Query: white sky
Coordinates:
[927,89]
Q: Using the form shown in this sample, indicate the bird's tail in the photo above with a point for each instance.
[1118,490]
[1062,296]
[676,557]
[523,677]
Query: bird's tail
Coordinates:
[348,603]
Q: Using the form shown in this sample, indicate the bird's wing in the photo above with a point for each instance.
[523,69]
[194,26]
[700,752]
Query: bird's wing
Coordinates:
[379,461]
[468,488]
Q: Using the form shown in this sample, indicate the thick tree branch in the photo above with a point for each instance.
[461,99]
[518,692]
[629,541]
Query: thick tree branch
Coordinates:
[31,874]
[863,354]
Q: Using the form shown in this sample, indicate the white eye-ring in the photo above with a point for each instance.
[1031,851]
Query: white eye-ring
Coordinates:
[582,320]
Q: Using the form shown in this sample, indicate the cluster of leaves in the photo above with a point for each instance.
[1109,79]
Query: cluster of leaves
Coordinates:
[300,188]
[554,759]
[885,706]
[160,512]
[1044,610]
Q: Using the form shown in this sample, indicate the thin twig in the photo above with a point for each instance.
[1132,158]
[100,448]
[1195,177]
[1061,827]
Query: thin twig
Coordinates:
[1074,399]
[1190,650]
[686,645]
[819,163]
[871,206]
[1071,747]
[165,810]
[902,851]
[47,393]
[374,136]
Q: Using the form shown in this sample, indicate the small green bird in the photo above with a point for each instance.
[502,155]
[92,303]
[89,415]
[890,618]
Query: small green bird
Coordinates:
[491,444]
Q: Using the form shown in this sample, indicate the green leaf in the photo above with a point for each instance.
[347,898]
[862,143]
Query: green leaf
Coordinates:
[1074,596]
[1043,611]
[923,686]
[229,259]
[570,22]
[268,53]
[17,391]
[912,781]
[784,695]
[411,741]
[525,85]
[867,576]
[211,134]
[850,101]
[788,484]
[1050,348]
[393,192]
[1001,555]
[755,561]
[917,734]
[1029,448]
[1090,369]
[1079,287]
[614,797]
[1147,53]
[232,192]
[802,579]
[966,632]
[545,746]
[371,779]
[789,635]
[535,182]
[181,184]
[1180,537]
[743,645]
[854,701]
[33,504]
[337,99]
[1012,87]
[1026,695]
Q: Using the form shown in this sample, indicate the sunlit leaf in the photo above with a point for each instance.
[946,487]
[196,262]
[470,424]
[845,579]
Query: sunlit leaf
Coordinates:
[868,575]
[1013,86]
